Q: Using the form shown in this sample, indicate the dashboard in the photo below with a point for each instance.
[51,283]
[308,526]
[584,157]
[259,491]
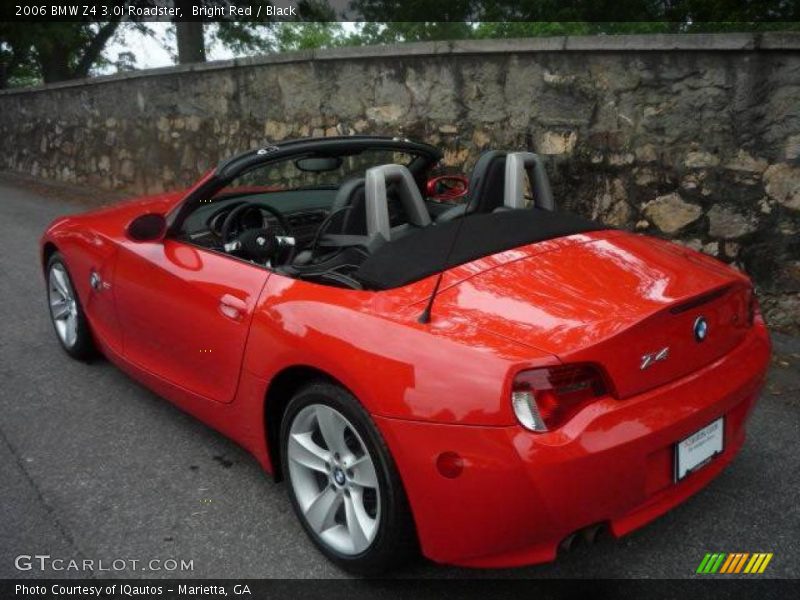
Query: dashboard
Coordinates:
[304,211]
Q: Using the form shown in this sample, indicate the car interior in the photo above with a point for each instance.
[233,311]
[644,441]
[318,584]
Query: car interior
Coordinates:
[367,216]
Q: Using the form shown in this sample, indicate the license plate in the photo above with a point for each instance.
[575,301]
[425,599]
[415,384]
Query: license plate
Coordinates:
[699,449]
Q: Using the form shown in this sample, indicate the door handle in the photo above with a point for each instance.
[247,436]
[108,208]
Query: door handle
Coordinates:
[232,307]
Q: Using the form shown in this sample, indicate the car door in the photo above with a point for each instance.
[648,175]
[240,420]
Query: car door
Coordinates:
[185,313]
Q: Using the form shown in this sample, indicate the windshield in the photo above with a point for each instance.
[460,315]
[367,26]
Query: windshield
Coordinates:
[311,171]
[302,182]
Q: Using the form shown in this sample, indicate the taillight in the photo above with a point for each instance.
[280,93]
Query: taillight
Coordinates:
[544,399]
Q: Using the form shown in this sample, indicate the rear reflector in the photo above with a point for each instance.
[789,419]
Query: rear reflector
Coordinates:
[450,464]
[545,399]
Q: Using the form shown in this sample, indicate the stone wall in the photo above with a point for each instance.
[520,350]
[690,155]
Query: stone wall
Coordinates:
[695,138]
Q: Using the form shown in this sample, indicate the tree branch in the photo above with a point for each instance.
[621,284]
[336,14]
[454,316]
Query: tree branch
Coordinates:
[95,47]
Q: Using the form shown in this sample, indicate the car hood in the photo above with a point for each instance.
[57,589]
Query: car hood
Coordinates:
[610,300]
[112,219]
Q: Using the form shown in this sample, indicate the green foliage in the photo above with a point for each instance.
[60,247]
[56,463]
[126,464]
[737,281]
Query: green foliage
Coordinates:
[317,29]
[52,51]
[242,37]
[759,15]
[391,20]
[306,36]
[408,31]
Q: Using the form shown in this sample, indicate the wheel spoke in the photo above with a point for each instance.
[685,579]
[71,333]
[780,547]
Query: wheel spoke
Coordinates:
[332,427]
[60,278]
[359,525]
[60,310]
[321,512]
[72,329]
[363,472]
[304,451]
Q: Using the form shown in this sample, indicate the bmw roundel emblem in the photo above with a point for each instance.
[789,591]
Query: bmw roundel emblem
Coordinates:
[700,329]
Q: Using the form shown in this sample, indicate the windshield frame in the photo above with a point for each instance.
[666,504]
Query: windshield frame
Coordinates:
[426,157]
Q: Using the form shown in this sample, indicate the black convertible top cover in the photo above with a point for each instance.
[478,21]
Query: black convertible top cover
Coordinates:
[422,253]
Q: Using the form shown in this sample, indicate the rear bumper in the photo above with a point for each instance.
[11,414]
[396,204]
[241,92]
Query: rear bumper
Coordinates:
[520,494]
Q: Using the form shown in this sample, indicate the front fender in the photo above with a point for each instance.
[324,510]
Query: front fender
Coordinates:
[85,251]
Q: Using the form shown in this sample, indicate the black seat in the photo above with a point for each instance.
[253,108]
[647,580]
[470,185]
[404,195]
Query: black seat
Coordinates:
[348,211]
[397,210]
[487,185]
[348,216]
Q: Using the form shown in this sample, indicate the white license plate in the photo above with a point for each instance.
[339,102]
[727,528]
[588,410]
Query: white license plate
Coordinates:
[699,448]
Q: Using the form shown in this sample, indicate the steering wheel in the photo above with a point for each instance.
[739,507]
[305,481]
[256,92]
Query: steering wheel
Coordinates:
[261,243]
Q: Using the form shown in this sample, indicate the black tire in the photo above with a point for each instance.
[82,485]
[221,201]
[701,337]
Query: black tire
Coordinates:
[395,542]
[83,347]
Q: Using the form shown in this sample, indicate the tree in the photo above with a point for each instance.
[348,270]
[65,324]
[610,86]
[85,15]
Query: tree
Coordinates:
[304,36]
[409,31]
[390,21]
[191,42]
[16,60]
[393,21]
[240,36]
[52,51]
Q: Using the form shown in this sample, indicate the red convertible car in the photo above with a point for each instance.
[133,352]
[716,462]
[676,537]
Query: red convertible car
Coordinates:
[476,376]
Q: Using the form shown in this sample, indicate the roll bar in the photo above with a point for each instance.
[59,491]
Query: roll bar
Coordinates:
[377,200]
[518,164]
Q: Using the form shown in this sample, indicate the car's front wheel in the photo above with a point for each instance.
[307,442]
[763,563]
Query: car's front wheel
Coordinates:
[343,483]
[66,312]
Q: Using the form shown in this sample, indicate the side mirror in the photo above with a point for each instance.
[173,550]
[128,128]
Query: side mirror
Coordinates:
[149,227]
[447,188]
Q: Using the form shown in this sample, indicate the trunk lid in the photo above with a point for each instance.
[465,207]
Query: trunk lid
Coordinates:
[612,301]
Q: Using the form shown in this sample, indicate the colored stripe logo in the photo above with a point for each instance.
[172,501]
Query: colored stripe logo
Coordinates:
[734,562]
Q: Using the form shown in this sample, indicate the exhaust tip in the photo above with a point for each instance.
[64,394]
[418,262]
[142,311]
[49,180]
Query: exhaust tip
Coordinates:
[588,535]
[591,533]
[568,543]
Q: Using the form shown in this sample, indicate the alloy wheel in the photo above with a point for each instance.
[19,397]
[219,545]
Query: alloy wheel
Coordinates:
[334,480]
[63,306]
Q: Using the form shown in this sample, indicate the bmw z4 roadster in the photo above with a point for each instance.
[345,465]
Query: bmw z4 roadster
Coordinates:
[433,364]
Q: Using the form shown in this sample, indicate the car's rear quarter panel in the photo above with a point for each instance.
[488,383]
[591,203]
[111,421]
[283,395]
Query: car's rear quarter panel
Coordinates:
[450,371]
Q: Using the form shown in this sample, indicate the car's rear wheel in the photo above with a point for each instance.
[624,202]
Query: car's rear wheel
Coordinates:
[66,312]
[343,483]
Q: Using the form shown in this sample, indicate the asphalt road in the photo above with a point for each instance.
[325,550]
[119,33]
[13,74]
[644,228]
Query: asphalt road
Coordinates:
[94,466]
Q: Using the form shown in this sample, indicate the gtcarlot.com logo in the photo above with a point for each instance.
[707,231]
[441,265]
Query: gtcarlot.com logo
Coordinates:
[734,562]
[45,562]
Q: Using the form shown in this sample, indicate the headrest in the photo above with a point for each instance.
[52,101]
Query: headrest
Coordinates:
[345,193]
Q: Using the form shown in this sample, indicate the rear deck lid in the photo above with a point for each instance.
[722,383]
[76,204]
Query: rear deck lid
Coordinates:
[612,301]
